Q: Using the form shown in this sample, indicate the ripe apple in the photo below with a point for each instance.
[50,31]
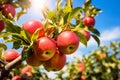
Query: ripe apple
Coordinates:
[67,42]
[56,63]
[101,56]
[17,78]
[81,67]
[32,25]
[10,55]
[8,9]
[85,33]
[26,69]
[82,77]
[33,61]
[89,21]
[2,25]
[46,48]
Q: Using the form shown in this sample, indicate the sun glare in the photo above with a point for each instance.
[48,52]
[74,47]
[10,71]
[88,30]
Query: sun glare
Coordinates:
[38,5]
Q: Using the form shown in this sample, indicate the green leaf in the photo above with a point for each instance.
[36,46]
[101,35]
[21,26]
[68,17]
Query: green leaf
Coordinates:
[20,13]
[82,38]
[35,35]
[17,45]
[67,9]
[86,4]
[95,31]
[3,46]
[74,13]
[10,27]
[96,39]
[25,34]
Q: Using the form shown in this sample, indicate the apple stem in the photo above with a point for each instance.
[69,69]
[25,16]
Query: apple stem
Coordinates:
[6,69]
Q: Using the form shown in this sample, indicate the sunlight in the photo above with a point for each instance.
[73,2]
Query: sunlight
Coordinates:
[39,5]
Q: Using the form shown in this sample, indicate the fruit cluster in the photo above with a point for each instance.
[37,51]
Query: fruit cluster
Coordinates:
[49,51]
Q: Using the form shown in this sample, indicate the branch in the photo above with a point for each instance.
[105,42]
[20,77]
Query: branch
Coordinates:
[5,71]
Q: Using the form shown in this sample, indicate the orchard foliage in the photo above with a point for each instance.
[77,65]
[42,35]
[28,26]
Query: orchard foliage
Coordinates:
[63,20]
[99,64]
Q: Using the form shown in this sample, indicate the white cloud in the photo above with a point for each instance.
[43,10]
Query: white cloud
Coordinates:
[107,36]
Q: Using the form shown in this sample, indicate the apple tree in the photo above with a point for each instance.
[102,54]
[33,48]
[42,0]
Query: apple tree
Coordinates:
[62,31]
[100,64]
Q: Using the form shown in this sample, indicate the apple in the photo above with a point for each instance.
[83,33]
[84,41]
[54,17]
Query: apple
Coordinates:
[8,9]
[101,56]
[67,42]
[32,25]
[82,77]
[17,78]
[85,33]
[28,74]
[45,47]
[81,67]
[2,25]
[89,21]
[26,69]
[10,55]
[33,61]
[56,63]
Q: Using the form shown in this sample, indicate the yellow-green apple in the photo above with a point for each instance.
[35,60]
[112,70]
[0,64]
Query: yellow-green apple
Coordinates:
[2,25]
[56,63]
[10,55]
[26,69]
[46,48]
[67,42]
[85,33]
[8,9]
[32,25]
[16,77]
[89,21]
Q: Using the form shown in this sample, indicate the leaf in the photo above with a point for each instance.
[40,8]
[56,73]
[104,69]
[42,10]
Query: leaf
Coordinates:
[82,38]
[35,35]
[86,4]
[10,27]
[20,13]
[25,34]
[96,39]
[3,46]
[67,9]
[95,31]
[17,45]
[74,13]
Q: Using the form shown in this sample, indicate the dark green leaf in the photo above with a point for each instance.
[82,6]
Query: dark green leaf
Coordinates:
[96,39]
[95,31]
[3,46]
[17,45]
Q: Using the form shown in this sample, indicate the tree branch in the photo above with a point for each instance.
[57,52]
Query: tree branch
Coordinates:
[5,71]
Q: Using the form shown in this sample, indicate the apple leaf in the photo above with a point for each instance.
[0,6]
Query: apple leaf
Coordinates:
[74,13]
[82,38]
[3,46]
[35,35]
[96,39]
[20,13]
[95,31]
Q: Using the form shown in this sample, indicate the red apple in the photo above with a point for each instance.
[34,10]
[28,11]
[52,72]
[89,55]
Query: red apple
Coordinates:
[33,61]
[46,48]
[2,25]
[16,78]
[10,55]
[82,77]
[67,42]
[89,21]
[81,67]
[85,33]
[101,56]
[8,9]
[56,63]
[32,25]
[26,69]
